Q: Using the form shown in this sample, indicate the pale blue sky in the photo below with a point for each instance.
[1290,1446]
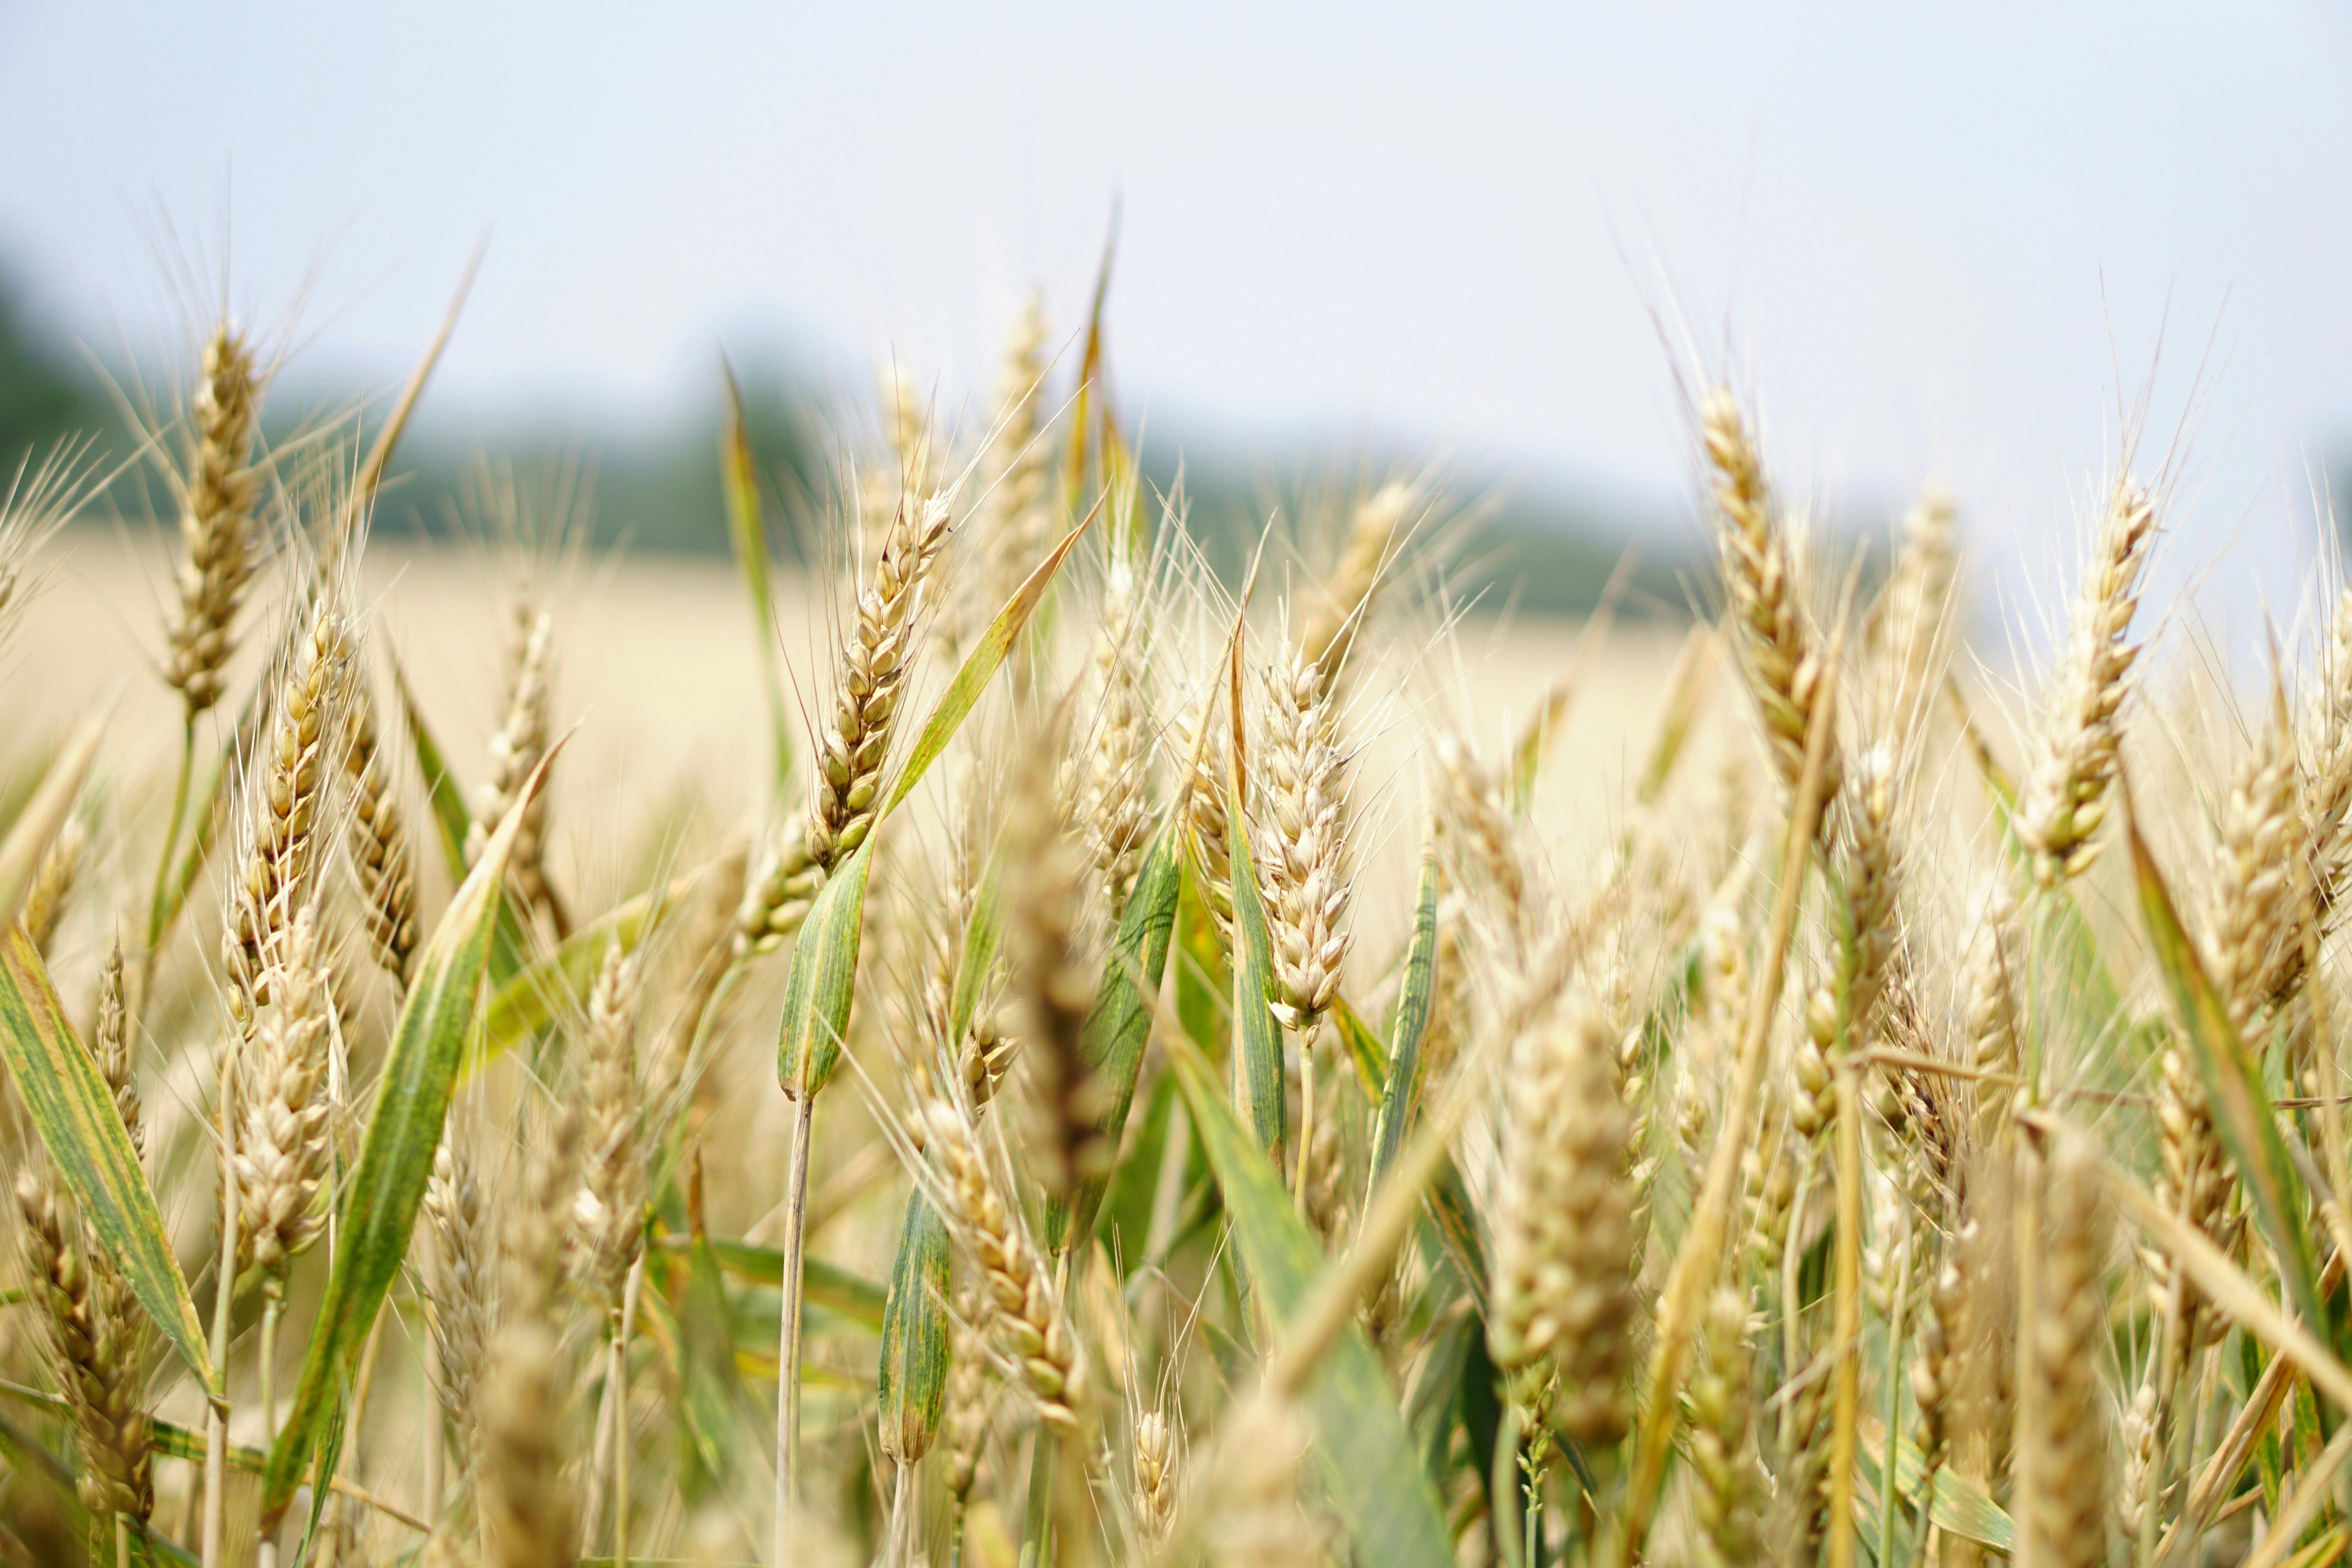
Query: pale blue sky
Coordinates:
[1939,235]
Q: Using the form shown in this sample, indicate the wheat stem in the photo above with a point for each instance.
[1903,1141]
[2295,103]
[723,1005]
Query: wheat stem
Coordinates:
[788,1333]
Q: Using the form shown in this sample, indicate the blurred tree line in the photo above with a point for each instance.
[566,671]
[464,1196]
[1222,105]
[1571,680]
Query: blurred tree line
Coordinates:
[1538,550]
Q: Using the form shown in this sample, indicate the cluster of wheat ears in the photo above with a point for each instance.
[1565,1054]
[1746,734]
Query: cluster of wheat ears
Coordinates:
[1862,1151]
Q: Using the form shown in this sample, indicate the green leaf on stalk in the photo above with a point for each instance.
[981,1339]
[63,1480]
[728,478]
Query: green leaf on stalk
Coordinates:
[1364,1454]
[403,1133]
[73,1111]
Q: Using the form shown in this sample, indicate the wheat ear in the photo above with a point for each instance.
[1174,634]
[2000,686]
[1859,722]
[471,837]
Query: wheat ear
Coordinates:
[527,1503]
[216,500]
[1723,1440]
[516,752]
[1780,648]
[875,659]
[282,1147]
[381,860]
[53,883]
[2065,797]
[1347,602]
[98,1342]
[2066,1517]
[1559,1284]
[1027,1316]
[608,1211]
[1303,854]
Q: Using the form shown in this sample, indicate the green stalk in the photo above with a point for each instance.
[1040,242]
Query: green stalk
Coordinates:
[1037,1526]
[1894,1340]
[273,1301]
[224,1302]
[156,918]
[788,1335]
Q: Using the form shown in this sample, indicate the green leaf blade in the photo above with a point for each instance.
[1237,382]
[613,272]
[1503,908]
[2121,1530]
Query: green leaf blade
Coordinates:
[1366,1456]
[911,1381]
[2241,1110]
[419,1076]
[1402,1091]
[1119,1025]
[73,1111]
[823,981]
[1257,1037]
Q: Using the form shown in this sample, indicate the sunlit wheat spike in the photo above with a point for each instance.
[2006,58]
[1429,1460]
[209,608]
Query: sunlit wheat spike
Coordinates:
[1561,1231]
[381,860]
[1056,984]
[516,750]
[2066,794]
[1912,635]
[1113,749]
[96,1343]
[282,1149]
[856,741]
[110,1046]
[1011,525]
[457,1217]
[1156,1461]
[2327,749]
[284,792]
[53,883]
[218,490]
[2063,1404]
[1025,1314]
[1722,1440]
[2255,947]
[527,1502]
[608,1211]
[1302,849]
[1781,650]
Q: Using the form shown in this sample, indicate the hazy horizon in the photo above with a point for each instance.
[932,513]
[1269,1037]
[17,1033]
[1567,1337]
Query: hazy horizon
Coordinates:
[1931,241]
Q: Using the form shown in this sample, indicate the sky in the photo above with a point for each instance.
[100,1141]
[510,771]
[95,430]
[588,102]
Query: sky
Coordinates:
[1930,239]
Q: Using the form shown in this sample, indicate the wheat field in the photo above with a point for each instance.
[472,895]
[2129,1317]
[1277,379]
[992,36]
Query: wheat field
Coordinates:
[1010,1048]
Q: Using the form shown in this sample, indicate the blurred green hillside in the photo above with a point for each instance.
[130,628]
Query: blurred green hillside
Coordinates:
[1537,548]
